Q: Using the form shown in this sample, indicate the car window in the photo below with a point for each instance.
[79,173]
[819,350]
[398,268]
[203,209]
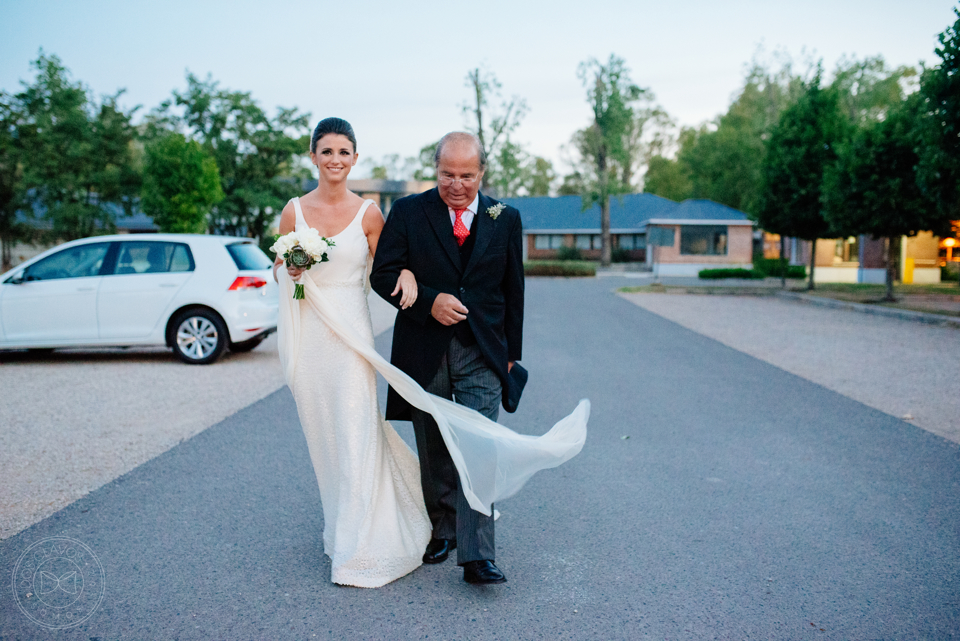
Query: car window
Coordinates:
[75,262]
[152,257]
[248,256]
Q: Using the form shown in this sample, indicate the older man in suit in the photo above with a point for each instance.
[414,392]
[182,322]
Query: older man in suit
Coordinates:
[461,336]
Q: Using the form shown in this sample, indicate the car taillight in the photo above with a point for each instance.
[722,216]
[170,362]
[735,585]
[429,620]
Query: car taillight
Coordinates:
[248,282]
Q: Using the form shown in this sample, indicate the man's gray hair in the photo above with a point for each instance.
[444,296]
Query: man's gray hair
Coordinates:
[460,137]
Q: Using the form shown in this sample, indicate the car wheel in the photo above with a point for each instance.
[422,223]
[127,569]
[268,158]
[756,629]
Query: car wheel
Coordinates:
[246,346]
[199,336]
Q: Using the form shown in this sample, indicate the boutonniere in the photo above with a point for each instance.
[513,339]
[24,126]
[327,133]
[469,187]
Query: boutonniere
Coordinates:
[495,210]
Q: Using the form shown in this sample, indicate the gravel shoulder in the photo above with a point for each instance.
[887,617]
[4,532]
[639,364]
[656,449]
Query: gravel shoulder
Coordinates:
[74,420]
[903,368]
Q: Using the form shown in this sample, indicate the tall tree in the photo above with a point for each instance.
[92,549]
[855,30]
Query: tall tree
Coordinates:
[493,126]
[511,170]
[542,176]
[425,162]
[256,155]
[868,88]
[603,145]
[721,159]
[872,187]
[11,177]
[181,183]
[668,178]
[800,148]
[78,157]
[939,126]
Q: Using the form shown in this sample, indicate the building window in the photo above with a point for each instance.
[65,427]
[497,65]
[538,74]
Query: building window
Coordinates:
[632,241]
[847,250]
[703,240]
[587,241]
[548,241]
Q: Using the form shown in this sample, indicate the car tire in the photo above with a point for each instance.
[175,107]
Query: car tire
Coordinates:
[247,345]
[198,336]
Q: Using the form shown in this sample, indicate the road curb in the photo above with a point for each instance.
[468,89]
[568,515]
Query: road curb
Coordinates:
[876,310]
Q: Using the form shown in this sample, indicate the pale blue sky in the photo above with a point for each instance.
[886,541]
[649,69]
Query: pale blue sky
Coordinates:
[396,70]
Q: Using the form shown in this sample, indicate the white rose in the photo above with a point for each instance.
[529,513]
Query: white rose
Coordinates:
[285,243]
[314,244]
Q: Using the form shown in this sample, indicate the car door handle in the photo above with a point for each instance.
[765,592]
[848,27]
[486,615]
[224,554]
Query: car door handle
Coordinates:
[168,284]
[85,289]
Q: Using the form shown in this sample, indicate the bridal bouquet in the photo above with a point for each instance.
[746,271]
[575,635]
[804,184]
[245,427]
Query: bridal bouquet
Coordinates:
[303,250]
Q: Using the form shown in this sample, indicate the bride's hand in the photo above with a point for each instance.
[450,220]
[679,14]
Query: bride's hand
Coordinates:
[295,272]
[407,284]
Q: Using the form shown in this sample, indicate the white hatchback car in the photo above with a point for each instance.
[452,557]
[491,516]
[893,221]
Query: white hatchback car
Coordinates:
[198,295]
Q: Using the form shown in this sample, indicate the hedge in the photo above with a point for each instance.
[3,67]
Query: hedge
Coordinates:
[774,267]
[559,268]
[715,274]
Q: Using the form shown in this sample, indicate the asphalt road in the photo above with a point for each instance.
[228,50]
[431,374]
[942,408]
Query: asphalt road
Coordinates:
[746,503]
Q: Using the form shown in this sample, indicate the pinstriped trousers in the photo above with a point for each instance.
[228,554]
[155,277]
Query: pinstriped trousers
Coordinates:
[465,377]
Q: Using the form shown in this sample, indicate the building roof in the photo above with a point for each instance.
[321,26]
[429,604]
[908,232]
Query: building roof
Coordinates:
[136,222]
[628,213]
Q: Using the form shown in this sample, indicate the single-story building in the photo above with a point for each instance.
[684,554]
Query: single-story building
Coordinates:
[138,223]
[862,259]
[678,239]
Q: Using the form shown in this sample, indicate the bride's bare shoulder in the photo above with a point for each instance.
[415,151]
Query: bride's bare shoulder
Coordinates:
[288,218]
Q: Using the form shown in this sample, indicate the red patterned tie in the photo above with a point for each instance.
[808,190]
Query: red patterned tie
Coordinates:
[459,229]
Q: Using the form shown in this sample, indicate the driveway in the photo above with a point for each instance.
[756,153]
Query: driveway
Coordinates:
[904,368]
[73,420]
[717,497]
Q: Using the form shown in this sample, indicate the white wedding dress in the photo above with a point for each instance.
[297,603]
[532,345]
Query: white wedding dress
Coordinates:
[375,523]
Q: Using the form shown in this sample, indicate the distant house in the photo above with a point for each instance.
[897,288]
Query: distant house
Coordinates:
[137,223]
[862,259]
[689,236]
[382,192]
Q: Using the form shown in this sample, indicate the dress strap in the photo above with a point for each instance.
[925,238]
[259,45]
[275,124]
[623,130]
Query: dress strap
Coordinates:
[296,206]
[363,209]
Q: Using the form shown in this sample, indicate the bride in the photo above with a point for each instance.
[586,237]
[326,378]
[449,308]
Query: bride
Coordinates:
[375,523]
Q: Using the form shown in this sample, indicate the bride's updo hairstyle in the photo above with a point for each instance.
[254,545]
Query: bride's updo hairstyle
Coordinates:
[332,126]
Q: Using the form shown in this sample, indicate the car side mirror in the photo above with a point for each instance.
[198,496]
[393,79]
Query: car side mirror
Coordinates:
[18,279]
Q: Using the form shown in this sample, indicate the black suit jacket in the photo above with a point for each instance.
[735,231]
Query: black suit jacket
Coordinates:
[418,236]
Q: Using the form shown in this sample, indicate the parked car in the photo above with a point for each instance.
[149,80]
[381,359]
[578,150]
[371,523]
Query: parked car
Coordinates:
[198,295]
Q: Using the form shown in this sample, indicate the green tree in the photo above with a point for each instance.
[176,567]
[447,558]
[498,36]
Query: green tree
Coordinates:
[11,177]
[180,185]
[668,178]
[939,126]
[724,158]
[868,88]
[573,184]
[511,170]
[493,127]
[257,156]
[872,187]
[542,176]
[604,145]
[425,166]
[800,149]
[78,158]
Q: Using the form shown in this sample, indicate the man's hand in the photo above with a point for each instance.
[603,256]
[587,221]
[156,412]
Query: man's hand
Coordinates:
[448,310]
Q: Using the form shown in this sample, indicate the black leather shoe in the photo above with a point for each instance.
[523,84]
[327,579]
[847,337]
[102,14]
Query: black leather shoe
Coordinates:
[482,573]
[438,550]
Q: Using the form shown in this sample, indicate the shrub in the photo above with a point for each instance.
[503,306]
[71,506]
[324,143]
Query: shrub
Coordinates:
[773,267]
[559,268]
[950,271]
[620,255]
[715,274]
[569,253]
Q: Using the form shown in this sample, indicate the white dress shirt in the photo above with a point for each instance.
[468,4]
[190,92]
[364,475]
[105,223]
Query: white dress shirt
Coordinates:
[467,216]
